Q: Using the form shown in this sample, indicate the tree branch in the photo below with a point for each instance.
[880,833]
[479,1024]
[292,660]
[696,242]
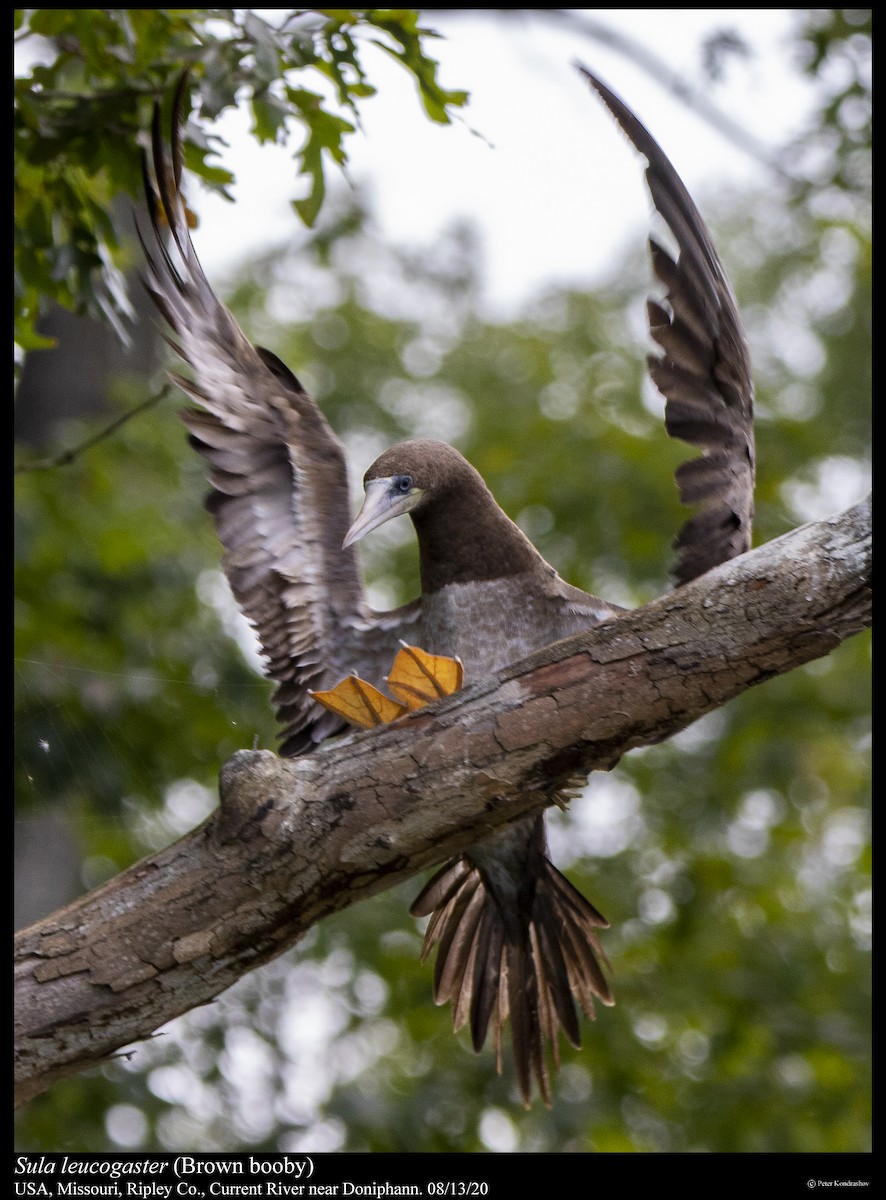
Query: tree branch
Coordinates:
[66,457]
[294,840]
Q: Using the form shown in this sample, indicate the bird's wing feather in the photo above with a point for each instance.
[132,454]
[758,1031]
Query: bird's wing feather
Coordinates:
[527,961]
[278,474]
[704,371]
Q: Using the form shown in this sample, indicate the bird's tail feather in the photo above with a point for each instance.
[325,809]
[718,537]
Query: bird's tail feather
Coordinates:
[528,966]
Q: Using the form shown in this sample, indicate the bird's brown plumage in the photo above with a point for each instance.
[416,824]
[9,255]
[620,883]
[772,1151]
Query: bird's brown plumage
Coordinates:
[515,942]
[488,544]
[279,482]
[704,370]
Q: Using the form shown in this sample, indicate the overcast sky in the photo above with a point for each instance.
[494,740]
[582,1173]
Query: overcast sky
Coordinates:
[551,182]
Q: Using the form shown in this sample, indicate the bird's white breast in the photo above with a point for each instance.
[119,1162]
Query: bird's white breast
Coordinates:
[494,622]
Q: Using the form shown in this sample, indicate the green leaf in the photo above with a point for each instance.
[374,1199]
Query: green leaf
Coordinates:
[265,48]
[436,100]
[51,22]
[216,176]
[80,117]
[269,118]
[25,334]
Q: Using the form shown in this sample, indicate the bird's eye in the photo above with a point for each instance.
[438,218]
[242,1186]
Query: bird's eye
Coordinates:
[403,483]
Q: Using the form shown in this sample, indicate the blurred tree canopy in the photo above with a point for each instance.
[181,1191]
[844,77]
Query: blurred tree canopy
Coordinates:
[732,861]
[109,66]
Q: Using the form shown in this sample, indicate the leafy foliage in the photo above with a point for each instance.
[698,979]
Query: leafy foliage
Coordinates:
[732,861]
[106,67]
[836,43]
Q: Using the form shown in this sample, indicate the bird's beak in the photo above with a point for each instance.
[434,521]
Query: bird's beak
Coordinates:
[382,503]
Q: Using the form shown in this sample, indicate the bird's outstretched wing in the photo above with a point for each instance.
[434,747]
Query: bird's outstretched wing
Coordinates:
[280,491]
[704,372]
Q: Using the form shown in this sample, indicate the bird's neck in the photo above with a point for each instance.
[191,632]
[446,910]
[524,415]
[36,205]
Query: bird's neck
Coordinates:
[464,537]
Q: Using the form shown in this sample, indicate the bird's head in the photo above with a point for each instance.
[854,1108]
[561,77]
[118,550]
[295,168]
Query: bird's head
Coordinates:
[406,479]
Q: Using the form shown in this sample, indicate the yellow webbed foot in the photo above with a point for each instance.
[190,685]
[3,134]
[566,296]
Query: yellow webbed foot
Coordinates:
[417,678]
[360,703]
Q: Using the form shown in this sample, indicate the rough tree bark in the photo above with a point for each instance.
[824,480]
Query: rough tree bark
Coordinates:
[294,840]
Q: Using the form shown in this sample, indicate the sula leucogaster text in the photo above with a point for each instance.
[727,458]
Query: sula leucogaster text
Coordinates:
[516,941]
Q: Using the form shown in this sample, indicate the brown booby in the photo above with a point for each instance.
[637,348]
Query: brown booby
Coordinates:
[516,942]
